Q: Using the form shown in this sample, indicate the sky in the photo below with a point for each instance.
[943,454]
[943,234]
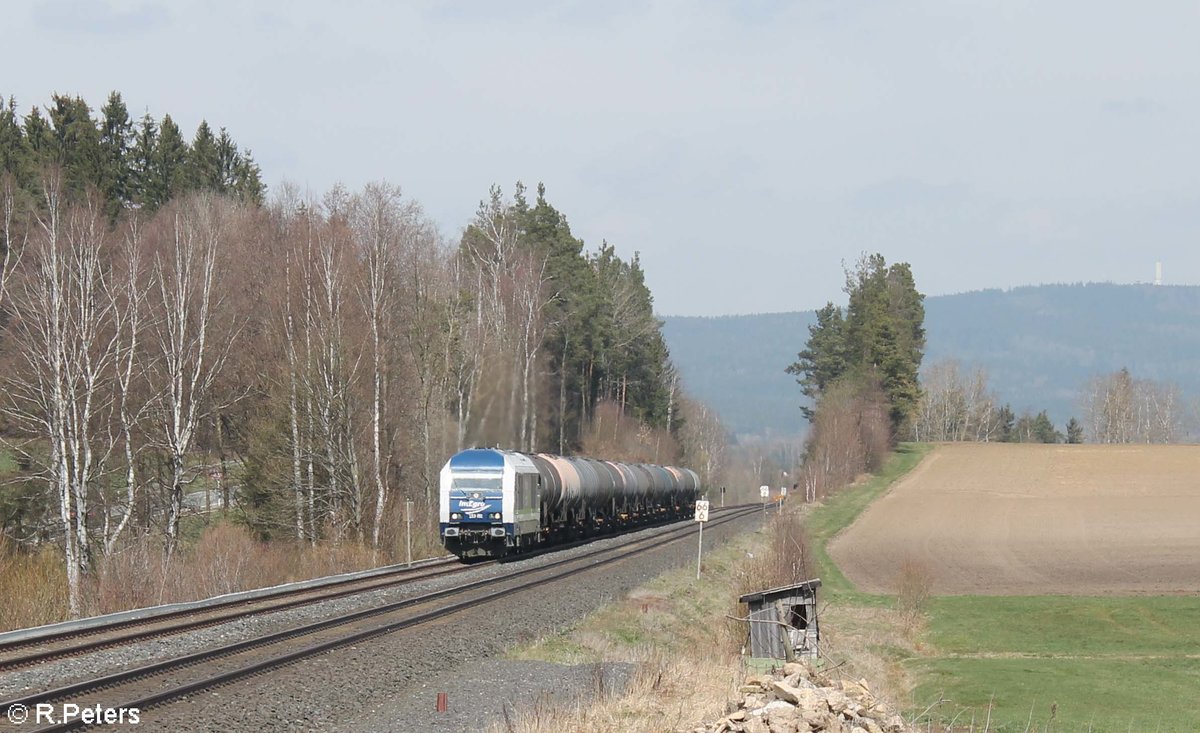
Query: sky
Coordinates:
[747,150]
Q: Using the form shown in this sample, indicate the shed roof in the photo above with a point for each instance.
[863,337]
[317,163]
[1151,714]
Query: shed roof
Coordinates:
[808,586]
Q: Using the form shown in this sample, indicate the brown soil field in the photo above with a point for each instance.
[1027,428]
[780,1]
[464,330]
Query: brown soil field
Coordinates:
[1008,519]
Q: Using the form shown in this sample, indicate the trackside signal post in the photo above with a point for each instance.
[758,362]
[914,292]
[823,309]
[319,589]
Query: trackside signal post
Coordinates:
[701,517]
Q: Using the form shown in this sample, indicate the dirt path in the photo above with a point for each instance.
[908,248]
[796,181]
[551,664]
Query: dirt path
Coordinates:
[1032,519]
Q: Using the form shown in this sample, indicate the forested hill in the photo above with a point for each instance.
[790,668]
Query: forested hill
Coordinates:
[1039,345]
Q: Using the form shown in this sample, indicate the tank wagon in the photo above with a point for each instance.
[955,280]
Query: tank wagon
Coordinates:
[494,502]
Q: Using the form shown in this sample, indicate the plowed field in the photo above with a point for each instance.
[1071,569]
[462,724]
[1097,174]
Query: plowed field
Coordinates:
[1035,519]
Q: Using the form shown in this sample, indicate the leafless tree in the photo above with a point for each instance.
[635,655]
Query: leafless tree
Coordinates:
[954,406]
[189,351]
[704,442]
[378,220]
[128,296]
[464,347]
[531,295]
[1118,408]
[63,335]
[10,239]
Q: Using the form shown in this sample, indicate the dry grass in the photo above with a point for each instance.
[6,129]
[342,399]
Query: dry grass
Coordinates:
[679,633]
[226,559]
[783,560]
[870,642]
[33,587]
[662,695]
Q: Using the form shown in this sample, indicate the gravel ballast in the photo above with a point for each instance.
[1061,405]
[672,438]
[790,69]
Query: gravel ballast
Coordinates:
[390,683]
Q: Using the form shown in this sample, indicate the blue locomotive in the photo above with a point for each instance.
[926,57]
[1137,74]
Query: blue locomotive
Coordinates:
[494,502]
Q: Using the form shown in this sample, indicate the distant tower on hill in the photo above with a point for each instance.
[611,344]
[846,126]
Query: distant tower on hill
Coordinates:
[1158,273]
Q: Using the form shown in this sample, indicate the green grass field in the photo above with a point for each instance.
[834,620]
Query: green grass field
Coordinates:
[1037,663]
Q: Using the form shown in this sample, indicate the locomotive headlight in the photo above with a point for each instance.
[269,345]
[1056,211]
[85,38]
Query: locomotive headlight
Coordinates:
[476,495]
[455,515]
[495,515]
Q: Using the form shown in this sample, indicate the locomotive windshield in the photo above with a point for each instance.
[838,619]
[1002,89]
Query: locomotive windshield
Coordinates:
[477,483]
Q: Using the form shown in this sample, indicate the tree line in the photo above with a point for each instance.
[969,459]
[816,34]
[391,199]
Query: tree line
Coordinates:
[130,164]
[312,361]
[957,406]
[1116,408]
[860,370]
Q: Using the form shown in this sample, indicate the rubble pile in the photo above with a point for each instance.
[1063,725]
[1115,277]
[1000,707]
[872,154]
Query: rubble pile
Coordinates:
[800,700]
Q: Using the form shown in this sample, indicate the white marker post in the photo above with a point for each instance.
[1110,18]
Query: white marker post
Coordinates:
[701,517]
[764,491]
[408,507]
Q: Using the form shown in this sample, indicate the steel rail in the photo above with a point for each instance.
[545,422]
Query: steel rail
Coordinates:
[250,607]
[118,678]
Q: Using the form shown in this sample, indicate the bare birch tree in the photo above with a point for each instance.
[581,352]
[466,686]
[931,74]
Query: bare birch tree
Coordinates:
[1118,408]
[531,295]
[66,345]
[10,239]
[954,406]
[189,350]
[378,222]
[128,306]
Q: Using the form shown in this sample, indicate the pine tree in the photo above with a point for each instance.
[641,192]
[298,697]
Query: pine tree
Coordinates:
[880,339]
[39,145]
[116,139]
[76,143]
[144,187]
[1043,429]
[824,359]
[12,141]
[168,164]
[249,186]
[1074,431]
[203,163]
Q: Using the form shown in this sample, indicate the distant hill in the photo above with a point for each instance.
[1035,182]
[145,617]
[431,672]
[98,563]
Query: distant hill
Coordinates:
[1039,345]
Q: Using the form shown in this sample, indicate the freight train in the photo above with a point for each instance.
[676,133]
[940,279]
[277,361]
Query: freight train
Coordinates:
[496,502]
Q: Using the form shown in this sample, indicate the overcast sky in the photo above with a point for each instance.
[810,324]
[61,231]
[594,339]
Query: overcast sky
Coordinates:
[745,149]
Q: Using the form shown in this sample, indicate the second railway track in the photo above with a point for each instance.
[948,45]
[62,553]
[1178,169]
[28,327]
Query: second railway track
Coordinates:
[161,682]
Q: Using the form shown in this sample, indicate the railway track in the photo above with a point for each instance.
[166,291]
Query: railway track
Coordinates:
[155,684]
[76,641]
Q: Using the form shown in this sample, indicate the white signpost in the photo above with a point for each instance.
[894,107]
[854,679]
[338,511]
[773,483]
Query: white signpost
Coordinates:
[408,509]
[764,491]
[701,517]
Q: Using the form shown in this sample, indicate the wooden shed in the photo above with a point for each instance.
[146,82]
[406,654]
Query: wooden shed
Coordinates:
[783,621]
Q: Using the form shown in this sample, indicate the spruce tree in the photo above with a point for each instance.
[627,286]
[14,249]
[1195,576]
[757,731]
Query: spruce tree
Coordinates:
[39,146]
[1074,431]
[144,188]
[12,141]
[203,162]
[168,163]
[116,139]
[75,144]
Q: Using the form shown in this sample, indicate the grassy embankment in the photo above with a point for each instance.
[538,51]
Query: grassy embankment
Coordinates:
[677,631]
[1037,663]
